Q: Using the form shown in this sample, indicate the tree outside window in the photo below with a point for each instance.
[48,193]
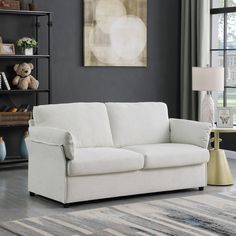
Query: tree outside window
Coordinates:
[223,48]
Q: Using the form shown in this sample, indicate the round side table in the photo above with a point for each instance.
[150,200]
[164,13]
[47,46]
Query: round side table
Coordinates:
[219,173]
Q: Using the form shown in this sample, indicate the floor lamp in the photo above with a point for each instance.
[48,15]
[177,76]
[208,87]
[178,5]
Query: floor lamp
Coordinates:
[208,79]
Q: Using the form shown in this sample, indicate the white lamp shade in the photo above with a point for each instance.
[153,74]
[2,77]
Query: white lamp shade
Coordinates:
[208,79]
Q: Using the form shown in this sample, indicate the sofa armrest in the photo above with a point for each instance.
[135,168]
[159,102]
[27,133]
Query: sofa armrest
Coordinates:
[47,170]
[53,137]
[190,132]
[31,123]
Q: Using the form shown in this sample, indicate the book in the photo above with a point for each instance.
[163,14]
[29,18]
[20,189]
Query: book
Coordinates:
[5,81]
[24,108]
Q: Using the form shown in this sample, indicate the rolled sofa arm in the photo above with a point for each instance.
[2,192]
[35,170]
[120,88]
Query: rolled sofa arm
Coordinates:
[190,132]
[54,137]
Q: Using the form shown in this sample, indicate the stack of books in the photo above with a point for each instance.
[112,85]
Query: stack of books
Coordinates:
[12,116]
[22,108]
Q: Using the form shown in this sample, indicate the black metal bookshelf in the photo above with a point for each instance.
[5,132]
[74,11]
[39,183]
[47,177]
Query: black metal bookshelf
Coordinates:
[17,161]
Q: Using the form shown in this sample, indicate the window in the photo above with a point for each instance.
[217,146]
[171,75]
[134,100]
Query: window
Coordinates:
[223,48]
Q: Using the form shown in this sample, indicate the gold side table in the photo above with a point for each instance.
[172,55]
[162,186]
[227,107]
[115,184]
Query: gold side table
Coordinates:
[219,173]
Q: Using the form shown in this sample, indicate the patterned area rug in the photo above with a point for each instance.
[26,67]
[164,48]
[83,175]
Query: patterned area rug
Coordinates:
[201,215]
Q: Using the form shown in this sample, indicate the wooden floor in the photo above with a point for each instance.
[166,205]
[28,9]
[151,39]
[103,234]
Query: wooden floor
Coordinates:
[15,202]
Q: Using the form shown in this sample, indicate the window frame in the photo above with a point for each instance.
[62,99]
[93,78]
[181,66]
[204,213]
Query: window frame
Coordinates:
[214,11]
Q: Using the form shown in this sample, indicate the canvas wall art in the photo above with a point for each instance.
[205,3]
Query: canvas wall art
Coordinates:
[115,33]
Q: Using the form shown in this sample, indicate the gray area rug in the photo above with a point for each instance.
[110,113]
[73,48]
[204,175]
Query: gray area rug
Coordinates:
[199,215]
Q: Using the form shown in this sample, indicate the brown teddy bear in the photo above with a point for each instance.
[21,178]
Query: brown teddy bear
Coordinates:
[24,80]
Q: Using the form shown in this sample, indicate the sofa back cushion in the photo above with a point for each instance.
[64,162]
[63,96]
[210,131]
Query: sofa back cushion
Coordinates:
[87,122]
[138,123]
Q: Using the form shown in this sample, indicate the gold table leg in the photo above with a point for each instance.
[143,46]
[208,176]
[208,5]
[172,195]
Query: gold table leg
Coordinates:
[219,172]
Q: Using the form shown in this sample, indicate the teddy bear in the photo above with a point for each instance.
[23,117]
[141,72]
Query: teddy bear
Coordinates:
[24,80]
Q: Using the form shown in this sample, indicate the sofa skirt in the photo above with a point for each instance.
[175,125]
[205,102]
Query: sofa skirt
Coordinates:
[85,188]
[48,177]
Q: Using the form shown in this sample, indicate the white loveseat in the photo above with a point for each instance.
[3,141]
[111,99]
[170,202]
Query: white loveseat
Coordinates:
[87,151]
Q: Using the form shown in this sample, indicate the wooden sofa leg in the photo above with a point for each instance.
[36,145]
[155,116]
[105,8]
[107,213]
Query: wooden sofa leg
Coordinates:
[201,188]
[66,205]
[32,194]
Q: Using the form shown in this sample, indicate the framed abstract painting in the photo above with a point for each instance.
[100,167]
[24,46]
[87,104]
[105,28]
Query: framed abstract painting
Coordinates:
[115,33]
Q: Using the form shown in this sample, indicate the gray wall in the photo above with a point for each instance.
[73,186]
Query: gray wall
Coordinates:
[72,82]
[158,82]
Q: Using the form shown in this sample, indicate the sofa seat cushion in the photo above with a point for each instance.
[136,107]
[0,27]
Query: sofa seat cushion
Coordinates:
[171,155]
[93,161]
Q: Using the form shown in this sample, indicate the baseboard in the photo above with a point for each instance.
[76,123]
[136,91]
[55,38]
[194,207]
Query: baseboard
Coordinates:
[230,154]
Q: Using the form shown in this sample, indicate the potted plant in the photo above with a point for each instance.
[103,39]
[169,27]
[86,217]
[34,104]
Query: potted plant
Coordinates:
[26,45]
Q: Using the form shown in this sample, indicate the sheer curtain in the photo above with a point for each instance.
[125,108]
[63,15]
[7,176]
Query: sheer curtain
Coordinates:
[195,51]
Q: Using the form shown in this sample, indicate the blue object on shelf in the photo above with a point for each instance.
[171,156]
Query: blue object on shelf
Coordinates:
[23,149]
[3,152]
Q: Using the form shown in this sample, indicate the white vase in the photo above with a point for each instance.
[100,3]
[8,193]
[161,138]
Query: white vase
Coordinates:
[2,149]
[28,51]
[208,111]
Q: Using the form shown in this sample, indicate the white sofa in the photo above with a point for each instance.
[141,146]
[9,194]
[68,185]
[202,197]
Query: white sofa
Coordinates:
[86,151]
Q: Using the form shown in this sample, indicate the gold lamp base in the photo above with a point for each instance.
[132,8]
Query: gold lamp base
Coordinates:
[219,172]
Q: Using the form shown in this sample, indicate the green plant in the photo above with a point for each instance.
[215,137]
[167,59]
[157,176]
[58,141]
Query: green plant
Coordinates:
[26,43]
